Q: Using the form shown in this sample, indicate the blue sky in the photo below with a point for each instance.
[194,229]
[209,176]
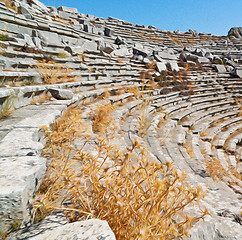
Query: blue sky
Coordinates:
[211,16]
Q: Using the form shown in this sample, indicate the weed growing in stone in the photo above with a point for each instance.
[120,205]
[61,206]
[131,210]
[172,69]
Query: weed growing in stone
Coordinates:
[7,107]
[53,73]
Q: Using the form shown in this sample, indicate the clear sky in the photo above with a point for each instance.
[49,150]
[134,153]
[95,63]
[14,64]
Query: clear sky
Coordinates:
[211,16]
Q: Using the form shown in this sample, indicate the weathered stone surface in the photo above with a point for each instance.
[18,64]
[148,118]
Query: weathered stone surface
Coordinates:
[27,39]
[20,178]
[67,9]
[25,12]
[238,72]
[220,68]
[61,94]
[161,66]
[235,32]
[119,41]
[48,38]
[122,52]
[108,32]
[20,142]
[55,227]
[140,51]
[173,66]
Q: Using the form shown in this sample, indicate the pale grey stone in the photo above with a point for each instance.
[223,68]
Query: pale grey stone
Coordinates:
[27,39]
[37,120]
[61,94]
[122,52]
[48,38]
[56,227]
[167,56]
[67,9]
[108,32]
[203,60]
[238,72]
[161,66]
[64,15]
[140,51]
[20,142]
[92,229]
[146,61]
[37,42]
[20,178]
[40,5]
[26,12]
[173,66]
[220,68]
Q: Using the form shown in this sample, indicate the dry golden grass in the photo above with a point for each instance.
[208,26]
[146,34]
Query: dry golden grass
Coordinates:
[9,4]
[40,99]
[133,89]
[104,95]
[53,73]
[101,118]
[215,169]
[139,197]
[144,118]
[7,107]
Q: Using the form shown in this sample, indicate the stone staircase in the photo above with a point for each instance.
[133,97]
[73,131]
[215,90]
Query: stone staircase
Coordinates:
[194,108]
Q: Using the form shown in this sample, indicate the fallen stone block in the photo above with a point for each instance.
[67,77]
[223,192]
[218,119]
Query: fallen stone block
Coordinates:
[140,51]
[161,66]
[61,94]
[220,68]
[26,12]
[48,38]
[108,32]
[67,9]
[238,72]
[122,52]
[27,39]
[119,41]
[203,60]
[173,66]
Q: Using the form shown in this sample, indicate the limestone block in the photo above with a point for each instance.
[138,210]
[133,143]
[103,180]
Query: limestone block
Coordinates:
[140,51]
[40,5]
[20,178]
[122,52]
[173,66]
[27,39]
[108,32]
[49,38]
[37,42]
[220,68]
[92,229]
[238,72]
[61,94]
[20,142]
[67,9]
[37,120]
[167,56]
[161,66]
[203,60]
[26,12]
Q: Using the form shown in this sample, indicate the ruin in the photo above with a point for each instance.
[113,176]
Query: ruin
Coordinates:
[66,57]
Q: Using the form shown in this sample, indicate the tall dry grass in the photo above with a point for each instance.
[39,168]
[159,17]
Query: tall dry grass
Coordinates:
[138,196]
